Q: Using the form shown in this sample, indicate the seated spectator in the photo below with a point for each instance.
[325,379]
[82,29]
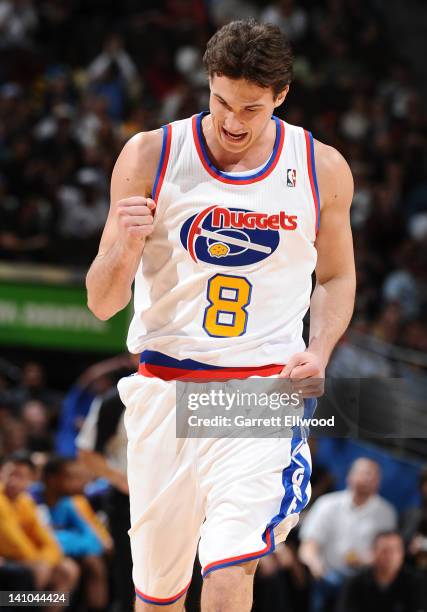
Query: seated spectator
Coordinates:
[77,537]
[387,585]
[13,435]
[414,528]
[24,539]
[78,478]
[337,533]
[35,416]
[33,386]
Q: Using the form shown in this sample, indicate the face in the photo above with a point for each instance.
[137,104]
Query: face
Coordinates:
[35,416]
[33,375]
[16,478]
[388,553]
[364,477]
[240,111]
[72,479]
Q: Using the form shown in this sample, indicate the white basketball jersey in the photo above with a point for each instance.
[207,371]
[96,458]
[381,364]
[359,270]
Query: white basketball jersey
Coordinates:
[225,277]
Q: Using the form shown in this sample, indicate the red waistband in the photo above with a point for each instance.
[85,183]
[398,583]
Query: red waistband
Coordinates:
[168,373]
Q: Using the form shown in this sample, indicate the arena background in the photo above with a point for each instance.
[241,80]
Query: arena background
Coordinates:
[77,79]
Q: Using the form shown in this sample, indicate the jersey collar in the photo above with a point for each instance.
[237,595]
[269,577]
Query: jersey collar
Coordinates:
[199,141]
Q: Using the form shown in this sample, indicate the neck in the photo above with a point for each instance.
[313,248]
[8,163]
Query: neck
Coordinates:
[11,497]
[385,576]
[51,497]
[359,499]
[253,156]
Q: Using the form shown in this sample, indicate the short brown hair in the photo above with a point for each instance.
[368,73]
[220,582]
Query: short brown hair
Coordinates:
[257,52]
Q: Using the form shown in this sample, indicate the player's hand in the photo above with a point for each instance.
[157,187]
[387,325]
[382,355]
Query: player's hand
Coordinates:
[135,219]
[306,374]
[303,365]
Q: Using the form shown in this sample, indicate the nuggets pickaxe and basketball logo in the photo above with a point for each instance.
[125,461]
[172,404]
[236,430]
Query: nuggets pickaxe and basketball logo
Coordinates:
[234,236]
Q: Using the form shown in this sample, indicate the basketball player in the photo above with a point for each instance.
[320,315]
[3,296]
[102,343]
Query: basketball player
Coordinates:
[217,219]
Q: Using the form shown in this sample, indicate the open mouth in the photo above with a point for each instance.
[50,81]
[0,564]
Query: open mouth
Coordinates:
[234,137]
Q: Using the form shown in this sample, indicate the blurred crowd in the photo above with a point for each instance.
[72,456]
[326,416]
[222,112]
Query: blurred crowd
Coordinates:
[77,79]
[64,506]
[64,512]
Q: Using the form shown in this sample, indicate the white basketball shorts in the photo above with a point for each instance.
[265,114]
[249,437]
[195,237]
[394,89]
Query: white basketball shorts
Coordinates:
[234,498]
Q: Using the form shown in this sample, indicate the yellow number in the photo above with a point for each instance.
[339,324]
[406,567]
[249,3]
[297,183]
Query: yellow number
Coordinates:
[226,316]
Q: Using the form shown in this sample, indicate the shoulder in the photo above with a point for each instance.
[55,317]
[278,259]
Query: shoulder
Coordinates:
[144,143]
[143,150]
[328,159]
[79,502]
[317,522]
[333,175]
[25,501]
[136,166]
[147,146]
[385,505]
[5,504]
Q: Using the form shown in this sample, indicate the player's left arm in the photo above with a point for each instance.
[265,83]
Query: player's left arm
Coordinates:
[332,301]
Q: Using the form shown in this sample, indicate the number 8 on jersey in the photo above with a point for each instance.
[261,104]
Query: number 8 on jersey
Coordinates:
[226,317]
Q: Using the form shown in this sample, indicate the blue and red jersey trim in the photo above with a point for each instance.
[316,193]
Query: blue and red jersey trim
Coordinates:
[163,163]
[269,547]
[229,178]
[154,364]
[157,601]
[312,175]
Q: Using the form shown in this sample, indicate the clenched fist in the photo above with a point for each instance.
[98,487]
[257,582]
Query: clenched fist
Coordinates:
[135,219]
[307,373]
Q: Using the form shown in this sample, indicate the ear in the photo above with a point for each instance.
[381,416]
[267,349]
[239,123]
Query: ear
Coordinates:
[281,97]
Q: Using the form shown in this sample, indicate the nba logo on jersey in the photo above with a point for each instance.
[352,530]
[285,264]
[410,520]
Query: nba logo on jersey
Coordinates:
[292,177]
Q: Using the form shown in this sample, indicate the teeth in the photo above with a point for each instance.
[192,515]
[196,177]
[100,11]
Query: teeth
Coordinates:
[235,137]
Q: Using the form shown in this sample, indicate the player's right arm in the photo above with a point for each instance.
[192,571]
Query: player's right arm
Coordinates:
[130,220]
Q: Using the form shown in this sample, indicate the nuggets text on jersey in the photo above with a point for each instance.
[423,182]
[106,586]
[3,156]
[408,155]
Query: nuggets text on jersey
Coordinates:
[232,236]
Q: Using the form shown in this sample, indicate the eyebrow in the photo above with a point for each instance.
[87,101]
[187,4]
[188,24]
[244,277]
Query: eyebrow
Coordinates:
[254,105]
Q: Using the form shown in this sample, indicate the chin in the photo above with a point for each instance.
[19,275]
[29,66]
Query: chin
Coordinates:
[233,148]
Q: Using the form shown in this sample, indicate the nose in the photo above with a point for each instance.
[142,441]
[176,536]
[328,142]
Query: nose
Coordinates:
[232,123]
